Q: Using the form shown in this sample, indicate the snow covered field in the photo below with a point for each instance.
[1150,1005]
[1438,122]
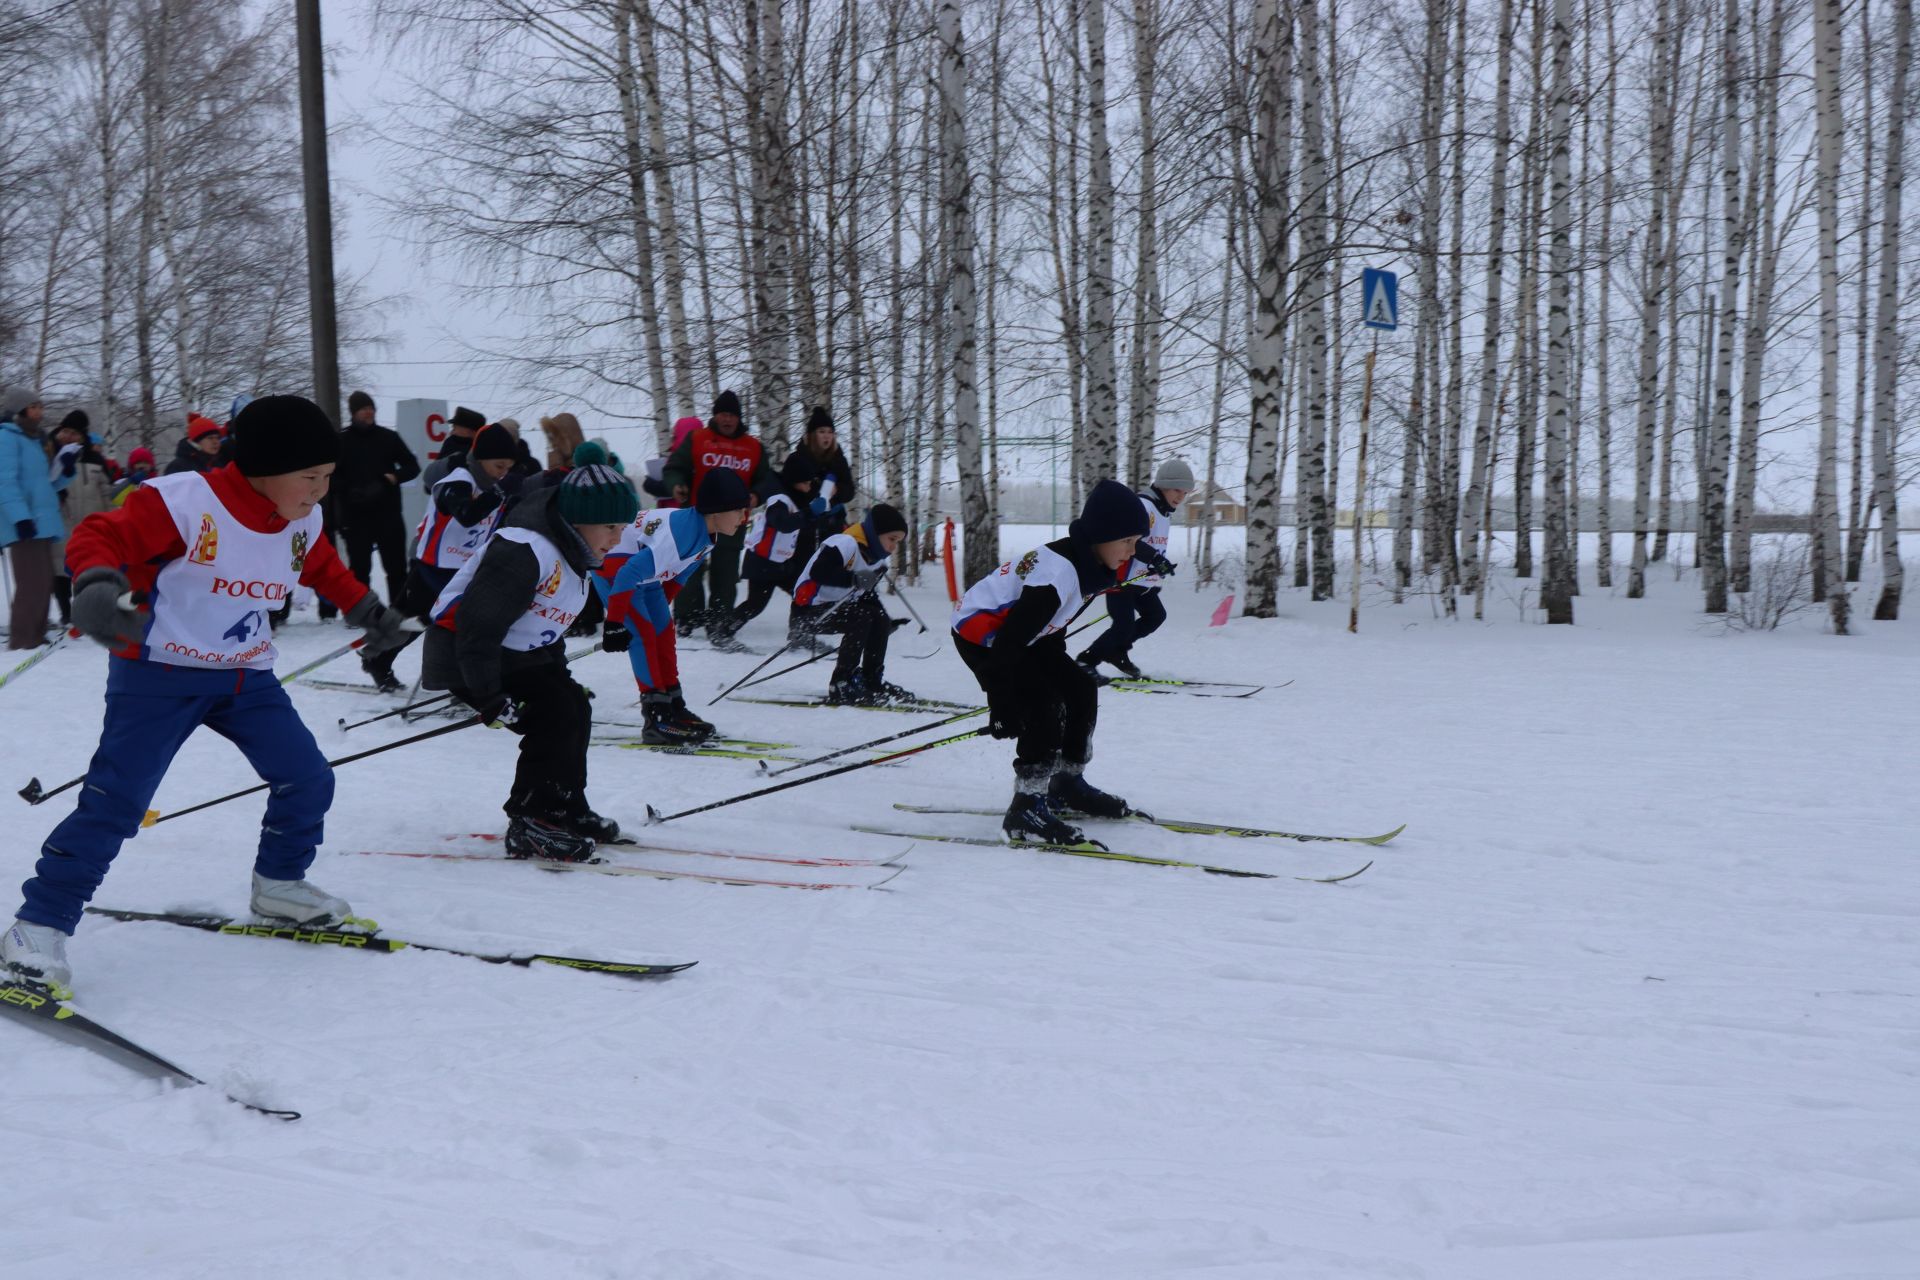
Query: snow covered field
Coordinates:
[1635,997]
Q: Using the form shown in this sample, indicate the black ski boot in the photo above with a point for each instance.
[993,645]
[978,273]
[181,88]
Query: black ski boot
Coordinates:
[687,717]
[887,691]
[538,826]
[852,691]
[1030,818]
[1091,665]
[381,671]
[1071,792]
[582,820]
[667,723]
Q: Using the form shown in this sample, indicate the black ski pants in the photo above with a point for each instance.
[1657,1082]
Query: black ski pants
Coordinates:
[863,625]
[555,720]
[1052,699]
[1135,613]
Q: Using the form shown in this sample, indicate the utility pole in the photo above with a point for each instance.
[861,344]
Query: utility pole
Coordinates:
[313,162]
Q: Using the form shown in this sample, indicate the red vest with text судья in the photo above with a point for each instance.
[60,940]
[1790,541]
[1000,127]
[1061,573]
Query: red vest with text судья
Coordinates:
[739,453]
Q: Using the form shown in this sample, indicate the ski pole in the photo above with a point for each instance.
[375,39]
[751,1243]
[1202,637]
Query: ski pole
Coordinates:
[155,816]
[877,742]
[38,655]
[437,699]
[654,816]
[317,663]
[901,596]
[804,662]
[741,682]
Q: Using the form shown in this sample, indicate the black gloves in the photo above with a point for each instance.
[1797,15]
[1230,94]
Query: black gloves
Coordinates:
[98,613]
[27,531]
[867,579]
[1154,561]
[386,629]
[616,638]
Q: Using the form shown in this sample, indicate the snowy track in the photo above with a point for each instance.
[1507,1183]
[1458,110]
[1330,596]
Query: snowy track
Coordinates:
[1634,996]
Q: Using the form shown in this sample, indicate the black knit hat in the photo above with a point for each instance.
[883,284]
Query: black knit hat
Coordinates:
[726,402]
[820,418]
[720,490]
[596,494]
[493,442]
[886,518]
[357,401]
[797,469]
[466,418]
[76,419]
[274,435]
[1112,511]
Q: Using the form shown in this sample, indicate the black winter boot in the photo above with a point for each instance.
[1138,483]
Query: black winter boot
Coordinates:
[1030,818]
[1070,791]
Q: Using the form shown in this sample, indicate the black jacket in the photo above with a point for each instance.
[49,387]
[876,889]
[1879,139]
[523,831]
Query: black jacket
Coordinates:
[361,490]
[187,458]
[470,657]
[835,465]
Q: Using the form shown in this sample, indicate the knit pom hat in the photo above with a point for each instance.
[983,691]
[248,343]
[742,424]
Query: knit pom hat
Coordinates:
[1174,473]
[798,469]
[590,453]
[720,490]
[141,457]
[278,434]
[726,402]
[198,426]
[1113,511]
[357,401]
[596,494]
[492,442]
[76,419]
[820,419]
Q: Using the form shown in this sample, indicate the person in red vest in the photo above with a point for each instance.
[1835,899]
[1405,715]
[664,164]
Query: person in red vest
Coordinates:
[707,598]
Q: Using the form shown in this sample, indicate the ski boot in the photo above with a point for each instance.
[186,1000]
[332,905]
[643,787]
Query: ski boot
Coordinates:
[582,820]
[1091,665]
[687,717]
[852,691]
[298,902]
[381,670]
[544,841]
[666,722]
[36,953]
[720,636]
[1031,819]
[1069,791]
[888,692]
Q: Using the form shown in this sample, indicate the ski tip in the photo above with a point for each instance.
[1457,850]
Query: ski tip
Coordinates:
[1382,839]
[32,793]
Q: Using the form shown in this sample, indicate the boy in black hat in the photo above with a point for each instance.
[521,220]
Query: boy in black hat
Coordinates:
[835,595]
[773,543]
[209,555]
[1010,629]
[498,642]
[1135,611]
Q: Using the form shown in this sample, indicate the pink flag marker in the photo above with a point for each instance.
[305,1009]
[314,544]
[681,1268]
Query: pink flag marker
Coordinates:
[1221,614]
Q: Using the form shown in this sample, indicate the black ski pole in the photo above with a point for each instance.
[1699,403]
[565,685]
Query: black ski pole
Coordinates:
[155,816]
[742,681]
[775,675]
[655,817]
[437,699]
[877,742]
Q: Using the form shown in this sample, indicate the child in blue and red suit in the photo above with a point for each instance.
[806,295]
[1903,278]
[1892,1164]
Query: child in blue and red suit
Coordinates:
[212,553]
[639,580]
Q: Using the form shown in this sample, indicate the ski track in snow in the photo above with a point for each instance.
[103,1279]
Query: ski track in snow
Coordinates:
[1634,996]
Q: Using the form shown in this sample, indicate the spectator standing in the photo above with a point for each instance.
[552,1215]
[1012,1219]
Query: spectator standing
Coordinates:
[374,463]
[722,445]
[29,515]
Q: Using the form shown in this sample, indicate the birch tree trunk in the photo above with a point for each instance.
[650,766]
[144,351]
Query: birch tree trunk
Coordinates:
[1272,61]
[1473,507]
[635,162]
[1713,508]
[1830,583]
[1317,250]
[1448,516]
[1144,388]
[673,276]
[1428,321]
[773,345]
[1101,456]
[1860,493]
[1653,284]
[982,544]
[1885,330]
[1556,590]
[106,142]
[1603,425]
[663,429]
[1764,243]
[1527,418]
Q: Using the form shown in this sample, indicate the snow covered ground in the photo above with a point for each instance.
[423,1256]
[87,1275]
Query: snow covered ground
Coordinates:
[1634,996]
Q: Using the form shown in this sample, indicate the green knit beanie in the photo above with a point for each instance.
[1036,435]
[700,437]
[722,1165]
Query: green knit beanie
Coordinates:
[596,494]
[589,453]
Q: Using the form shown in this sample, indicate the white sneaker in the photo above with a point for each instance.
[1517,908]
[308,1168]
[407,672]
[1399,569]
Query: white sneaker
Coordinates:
[36,952]
[297,901]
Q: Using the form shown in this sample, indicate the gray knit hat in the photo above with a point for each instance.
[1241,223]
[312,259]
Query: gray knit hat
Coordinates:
[15,398]
[1174,473]
[596,494]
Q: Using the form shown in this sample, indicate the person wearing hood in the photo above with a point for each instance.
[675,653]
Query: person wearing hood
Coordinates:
[722,445]
[836,596]
[29,515]
[461,510]
[87,474]
[199,449]
[638,581]
[497,642]
[1009,628]
[374,463]
[1135,611]
[773,560]
[205,556]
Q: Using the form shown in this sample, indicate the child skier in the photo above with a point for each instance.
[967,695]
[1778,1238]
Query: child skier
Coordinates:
[213,553]
[638,581]
[835,596]
[1009,628]
[1135,610]
[460,510]
[498,642]
[771,543]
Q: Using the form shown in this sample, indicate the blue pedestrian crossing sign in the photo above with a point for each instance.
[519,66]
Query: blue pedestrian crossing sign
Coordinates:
[1380,294]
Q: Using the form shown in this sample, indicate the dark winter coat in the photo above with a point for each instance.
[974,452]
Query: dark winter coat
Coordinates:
[362,492]
[188,458]
[834,464]
[470,657]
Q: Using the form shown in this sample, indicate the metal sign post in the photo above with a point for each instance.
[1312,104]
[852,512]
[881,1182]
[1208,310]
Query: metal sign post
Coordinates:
[1380,309]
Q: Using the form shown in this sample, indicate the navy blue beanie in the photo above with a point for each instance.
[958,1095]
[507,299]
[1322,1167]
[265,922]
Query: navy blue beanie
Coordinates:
[797,469]
[720,490]
[1113,511]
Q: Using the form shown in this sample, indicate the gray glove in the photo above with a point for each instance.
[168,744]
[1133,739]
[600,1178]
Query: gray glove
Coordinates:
[98,611]
[867,579]
[386,628]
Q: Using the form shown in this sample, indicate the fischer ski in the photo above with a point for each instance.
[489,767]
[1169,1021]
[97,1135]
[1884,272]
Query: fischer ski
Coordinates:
[913,707]
[353,940]
[1180,688]
[602,867]
[52,1013]
[1093,850]
[1186,826]
[706,749]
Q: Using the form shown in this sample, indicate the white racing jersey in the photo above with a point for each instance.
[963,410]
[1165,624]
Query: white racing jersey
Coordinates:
[852,553]
[1159,536]
[442,541]
[985,606]
[557,599]
[209,608]
[767,542]
[654,533]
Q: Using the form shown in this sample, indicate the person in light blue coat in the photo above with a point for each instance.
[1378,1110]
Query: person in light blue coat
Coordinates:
[30,524]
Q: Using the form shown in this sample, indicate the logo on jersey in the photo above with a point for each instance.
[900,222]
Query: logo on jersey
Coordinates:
[652,526]
[551,586]
[1027,562]
[207,545]
[244,630]
[300,551]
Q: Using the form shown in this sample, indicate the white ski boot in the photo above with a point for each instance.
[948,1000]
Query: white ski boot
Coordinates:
[297,902]
[36,953]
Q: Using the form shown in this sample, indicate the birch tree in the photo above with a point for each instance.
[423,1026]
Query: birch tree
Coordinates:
[982,538]
[1556,591]
[1885,329]
[1830,582]
[1272,59]
[1652,290]
[1103,398]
